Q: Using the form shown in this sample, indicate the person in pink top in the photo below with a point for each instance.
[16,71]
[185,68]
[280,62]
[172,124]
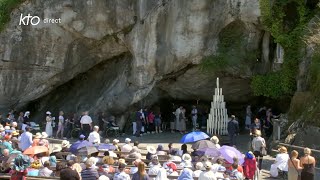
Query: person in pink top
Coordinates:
[151,117]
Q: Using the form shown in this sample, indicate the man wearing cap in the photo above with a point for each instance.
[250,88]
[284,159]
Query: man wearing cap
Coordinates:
[233,130]
[127,147]
[94,136]
[26,139]
[207,174]
[86,123]
[121,175]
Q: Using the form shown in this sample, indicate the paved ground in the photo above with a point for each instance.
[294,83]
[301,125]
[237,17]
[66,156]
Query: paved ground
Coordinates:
[166,138]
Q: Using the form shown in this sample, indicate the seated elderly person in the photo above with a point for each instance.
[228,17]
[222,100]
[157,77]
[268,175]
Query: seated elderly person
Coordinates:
[281,162]
[65,146]
[215,141]
[207,174]
[186,172]
[186,158]
[135,168]
[45,171]
[90,172]
[160,150]
[127,147]
[198,170]
[121,175]
[154,166]
[135,153]
[151,151]
[175,156]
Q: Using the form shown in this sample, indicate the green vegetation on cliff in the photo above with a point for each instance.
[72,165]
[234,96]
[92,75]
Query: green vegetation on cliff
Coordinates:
[286,21]
[6,7]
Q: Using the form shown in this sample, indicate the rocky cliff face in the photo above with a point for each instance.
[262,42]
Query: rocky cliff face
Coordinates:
[108,55]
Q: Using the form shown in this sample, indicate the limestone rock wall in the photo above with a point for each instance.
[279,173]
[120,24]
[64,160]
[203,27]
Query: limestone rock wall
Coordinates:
[109,55]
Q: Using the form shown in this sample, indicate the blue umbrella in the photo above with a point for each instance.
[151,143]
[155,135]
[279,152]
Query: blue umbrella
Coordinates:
[106,147]
[79,144]
[193,137]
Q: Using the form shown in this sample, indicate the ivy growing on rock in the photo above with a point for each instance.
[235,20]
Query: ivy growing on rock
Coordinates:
[6,7]
[276,18]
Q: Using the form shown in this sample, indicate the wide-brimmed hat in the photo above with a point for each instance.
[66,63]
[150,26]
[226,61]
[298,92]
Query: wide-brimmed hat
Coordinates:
[48,112]
[116,141]
[56,148]
[127,140]
[151,149]
[38,135]
[65,143]
[186,157]
[122,161]
[44,135]
[15,133]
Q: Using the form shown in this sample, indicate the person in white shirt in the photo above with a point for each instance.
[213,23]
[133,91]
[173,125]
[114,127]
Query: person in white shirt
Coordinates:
[198,171]
[127,147]
[94,136]
[194,114]
[207,174]
[121,175]
[280,163]
[26,139]
[60,124]
[155,168]
[86,123]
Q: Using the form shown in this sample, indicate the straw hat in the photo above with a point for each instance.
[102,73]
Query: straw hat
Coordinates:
[186,157]
[56,148]
[44,135]
[122,161]
[15,133]
[115,141]
[151,150]
[65,143]
[283,149]
[38,135]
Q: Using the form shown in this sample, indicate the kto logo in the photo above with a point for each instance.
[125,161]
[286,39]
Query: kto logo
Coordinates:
[35,20]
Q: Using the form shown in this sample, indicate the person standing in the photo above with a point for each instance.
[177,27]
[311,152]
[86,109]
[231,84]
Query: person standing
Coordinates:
[308,164]
[139,119]
[26,118]
[49,124]
[194,114]
[157,122]
[233,130]
[294,167]
[20,120]
[86,123]
[257,144]
[181,124]
[60,125]
[248,117]
[256,125]
[26,139]
[177,113]
[94,136]
[151,119]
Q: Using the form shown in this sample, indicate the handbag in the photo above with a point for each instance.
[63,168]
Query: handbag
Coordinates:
[299,175]
[263,151]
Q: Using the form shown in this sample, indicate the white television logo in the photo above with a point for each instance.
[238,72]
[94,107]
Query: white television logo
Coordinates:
[25,20]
